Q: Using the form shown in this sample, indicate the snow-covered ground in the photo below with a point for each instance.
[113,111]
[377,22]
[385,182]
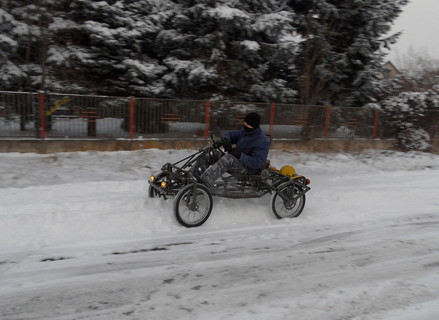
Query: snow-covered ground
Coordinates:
[79,239]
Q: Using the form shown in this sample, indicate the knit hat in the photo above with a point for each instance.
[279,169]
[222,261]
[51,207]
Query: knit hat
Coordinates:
[253,119]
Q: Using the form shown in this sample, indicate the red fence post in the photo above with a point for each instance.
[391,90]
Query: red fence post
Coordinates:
[42,116]
[375,125]
[207,120]
[328,116]
[273,107]
[132,102]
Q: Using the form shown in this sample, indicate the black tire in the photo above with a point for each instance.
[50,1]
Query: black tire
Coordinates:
[152,193]
[193,214]
[286,209]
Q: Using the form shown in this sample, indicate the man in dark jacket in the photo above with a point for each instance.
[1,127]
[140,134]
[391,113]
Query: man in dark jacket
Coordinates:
[248,156]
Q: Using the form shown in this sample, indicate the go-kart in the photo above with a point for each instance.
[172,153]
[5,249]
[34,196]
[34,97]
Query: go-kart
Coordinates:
[193,201]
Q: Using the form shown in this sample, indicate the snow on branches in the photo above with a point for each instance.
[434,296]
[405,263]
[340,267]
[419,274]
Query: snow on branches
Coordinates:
[406,114]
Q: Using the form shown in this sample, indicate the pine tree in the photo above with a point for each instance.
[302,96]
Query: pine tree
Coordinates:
[241,50]
[228,49]
[12,75]
[27,26]
[342,48]
[104,46]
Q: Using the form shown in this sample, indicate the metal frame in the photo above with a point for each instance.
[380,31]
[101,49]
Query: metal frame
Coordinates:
[237,186]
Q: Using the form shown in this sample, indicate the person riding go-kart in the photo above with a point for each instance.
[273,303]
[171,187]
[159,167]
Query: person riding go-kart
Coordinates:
[248,157]
[249,175]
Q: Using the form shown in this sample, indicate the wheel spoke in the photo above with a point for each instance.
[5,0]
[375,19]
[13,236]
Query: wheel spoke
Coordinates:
[288,208]
[193,214]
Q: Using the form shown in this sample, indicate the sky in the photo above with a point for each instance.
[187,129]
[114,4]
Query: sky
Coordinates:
[419,23]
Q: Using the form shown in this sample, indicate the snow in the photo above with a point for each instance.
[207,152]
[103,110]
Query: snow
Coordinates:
[79,239]
[251,45]
[227,13]
[59,24]
[65,127]
[146,68]
[6,40]
[199,73]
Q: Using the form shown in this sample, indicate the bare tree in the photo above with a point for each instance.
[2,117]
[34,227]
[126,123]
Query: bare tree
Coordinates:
[420,68]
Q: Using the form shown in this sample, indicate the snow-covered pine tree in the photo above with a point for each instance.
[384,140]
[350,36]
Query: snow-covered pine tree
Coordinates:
[26,23]
[342,48]
[196,49]
[239,50]
[228,49]
[105,46]
[24,41]
[12,75]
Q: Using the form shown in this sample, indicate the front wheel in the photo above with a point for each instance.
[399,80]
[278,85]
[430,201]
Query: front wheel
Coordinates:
[193,205]
[291,205]
[153,193]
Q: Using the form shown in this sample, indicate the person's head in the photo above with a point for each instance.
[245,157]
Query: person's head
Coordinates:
[252,121]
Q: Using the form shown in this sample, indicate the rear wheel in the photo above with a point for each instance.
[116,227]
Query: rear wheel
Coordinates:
[192,207]
[291,207]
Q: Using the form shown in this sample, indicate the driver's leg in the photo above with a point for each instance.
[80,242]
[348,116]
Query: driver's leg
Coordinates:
[204,162]
[227,163]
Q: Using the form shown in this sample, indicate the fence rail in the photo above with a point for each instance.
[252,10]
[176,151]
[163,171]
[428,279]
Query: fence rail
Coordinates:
[69,116]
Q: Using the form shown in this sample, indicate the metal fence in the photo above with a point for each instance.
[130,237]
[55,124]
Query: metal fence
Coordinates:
[69,116]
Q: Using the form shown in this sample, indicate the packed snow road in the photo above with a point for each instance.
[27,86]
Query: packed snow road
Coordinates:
[80,240]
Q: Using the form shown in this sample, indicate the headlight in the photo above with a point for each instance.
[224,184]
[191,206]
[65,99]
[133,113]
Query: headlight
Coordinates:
[152,178]
[163,184]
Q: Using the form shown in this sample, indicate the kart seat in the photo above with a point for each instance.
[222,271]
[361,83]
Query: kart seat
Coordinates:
[267,162]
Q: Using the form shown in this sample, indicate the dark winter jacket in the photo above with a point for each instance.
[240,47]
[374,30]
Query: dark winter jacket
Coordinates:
[253,145]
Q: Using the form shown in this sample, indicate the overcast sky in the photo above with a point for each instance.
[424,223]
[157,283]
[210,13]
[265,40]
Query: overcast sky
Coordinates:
[419,23]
